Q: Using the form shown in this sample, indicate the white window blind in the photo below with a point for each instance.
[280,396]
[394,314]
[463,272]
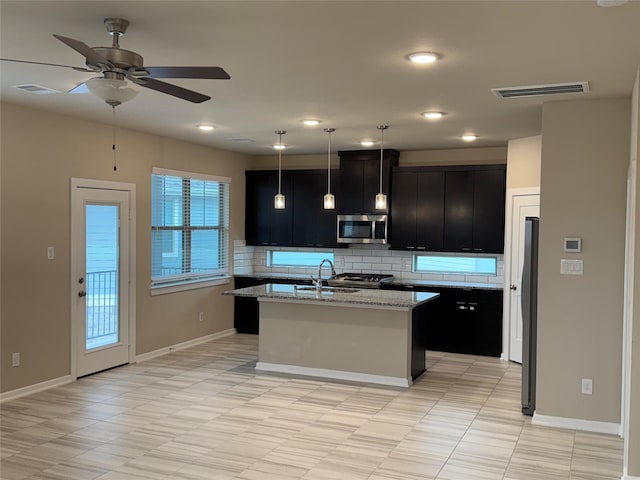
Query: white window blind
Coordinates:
[189,227]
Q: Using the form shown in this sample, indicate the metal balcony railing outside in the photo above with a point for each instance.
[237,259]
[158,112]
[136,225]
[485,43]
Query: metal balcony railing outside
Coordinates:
[102,307]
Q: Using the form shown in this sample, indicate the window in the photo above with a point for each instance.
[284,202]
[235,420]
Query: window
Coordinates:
[189,227]
[453,264]
[284,258]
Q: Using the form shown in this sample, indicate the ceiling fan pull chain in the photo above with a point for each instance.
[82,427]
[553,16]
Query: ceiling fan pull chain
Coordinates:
[113,145]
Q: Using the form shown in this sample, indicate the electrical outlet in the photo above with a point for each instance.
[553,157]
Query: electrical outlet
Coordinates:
[15,359]
[587,386]
[201,316]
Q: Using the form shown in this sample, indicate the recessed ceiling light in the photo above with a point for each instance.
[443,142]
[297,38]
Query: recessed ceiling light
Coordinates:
[206,128]
[469,137]
[424,57]
[610,3]
[311,122]
[432,115]
[367,143]
[277,146]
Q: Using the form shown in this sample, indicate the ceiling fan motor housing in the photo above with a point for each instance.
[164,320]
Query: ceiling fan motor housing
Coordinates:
[120,58]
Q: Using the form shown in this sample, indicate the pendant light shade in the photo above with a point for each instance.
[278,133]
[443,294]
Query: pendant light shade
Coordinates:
[329,200]
[279,200]
[381,198]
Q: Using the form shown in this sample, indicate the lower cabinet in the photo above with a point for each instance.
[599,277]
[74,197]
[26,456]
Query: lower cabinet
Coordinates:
[464,321]
[246,310]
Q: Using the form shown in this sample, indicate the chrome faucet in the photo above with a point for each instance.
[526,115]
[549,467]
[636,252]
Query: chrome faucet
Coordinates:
[318,282]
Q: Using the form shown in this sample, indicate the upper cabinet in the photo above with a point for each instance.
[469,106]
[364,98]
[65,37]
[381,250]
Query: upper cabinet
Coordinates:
[453,209]
[417,209]
[303,223]
[360,179]
[264,225]
[313,226]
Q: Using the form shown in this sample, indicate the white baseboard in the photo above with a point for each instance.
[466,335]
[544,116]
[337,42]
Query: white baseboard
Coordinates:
[334,374]
[629,477]
[577,424]
[181,346]
[35,388]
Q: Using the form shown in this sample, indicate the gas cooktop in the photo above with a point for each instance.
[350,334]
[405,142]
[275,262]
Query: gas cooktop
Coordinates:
[360,280]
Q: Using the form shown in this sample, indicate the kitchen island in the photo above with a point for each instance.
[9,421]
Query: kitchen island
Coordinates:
[365,335]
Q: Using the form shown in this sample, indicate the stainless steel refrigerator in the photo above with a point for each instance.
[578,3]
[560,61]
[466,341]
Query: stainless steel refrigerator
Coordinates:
[529,299]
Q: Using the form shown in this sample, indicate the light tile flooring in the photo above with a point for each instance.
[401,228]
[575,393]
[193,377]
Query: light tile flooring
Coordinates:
[204,414]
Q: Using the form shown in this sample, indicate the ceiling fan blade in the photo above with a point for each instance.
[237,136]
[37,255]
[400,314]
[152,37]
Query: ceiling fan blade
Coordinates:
[170,89]
[91,57]
[79,69]
[213,73]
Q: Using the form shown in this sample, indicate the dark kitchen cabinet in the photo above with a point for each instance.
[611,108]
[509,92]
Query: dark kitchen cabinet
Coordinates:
[246,310]
[417,209]
[474,209]
[461,320]
[265,225]
[313,226]
[467,321]
[360,179]
[451,209]
[488,210]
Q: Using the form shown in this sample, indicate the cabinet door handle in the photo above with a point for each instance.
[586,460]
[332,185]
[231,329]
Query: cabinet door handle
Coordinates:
[421,248]
[466,249]
[477,249]
[462,307]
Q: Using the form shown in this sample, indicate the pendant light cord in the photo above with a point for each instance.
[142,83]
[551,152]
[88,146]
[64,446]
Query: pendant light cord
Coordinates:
[329,166]
[381,155]
[280,164]
[113,145]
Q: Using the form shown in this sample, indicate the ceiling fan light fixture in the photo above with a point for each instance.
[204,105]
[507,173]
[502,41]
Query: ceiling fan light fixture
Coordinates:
[424,57]
[111,90]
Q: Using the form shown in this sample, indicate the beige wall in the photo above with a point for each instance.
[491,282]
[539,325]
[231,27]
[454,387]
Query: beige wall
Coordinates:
[632,460]
[524,156]
[41,151]
[585,153]
[454,156]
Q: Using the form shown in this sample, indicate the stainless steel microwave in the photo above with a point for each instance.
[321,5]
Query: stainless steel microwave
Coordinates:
[362,228]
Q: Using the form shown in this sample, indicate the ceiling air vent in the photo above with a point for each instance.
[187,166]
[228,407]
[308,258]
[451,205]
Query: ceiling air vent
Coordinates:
[539,90]
[35,89]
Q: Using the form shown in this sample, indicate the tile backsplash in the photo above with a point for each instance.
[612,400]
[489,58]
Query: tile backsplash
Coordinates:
[249,260]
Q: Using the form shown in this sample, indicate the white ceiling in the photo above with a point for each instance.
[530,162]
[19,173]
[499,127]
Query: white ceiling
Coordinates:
[343,62]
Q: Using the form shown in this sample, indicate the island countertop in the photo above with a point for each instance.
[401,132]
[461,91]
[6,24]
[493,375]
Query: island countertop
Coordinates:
[362,297]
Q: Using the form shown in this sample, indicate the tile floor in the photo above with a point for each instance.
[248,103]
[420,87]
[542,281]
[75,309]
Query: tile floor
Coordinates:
[204,414]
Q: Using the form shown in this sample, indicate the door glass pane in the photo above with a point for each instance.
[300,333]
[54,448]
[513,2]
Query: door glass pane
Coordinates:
[102,298]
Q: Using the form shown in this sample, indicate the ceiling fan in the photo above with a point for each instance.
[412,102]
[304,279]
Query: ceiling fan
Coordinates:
[115,64]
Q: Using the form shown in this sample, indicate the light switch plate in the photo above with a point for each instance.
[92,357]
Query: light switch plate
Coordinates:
[570,267]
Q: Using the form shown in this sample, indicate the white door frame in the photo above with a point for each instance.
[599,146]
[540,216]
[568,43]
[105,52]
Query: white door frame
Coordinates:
[628,303]
[506,298]
[77,183]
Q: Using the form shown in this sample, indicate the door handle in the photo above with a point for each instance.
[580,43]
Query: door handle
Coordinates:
[82,293]
[513,287]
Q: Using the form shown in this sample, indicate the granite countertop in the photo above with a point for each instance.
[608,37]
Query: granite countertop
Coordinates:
[397,281]
[363,297]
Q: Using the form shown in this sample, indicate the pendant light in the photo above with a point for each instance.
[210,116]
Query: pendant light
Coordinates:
[278,200]
[381,198]
[329,199]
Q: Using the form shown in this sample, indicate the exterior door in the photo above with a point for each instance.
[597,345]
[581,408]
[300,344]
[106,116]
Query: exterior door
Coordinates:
[522,206]
[100,283]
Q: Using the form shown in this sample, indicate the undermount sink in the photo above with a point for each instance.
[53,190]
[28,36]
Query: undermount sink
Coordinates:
[327,289]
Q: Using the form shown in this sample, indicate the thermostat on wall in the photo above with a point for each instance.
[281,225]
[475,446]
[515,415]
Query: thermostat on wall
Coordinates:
[572,244]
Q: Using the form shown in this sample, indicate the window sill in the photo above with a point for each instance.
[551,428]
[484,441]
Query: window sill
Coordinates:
[183,286]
